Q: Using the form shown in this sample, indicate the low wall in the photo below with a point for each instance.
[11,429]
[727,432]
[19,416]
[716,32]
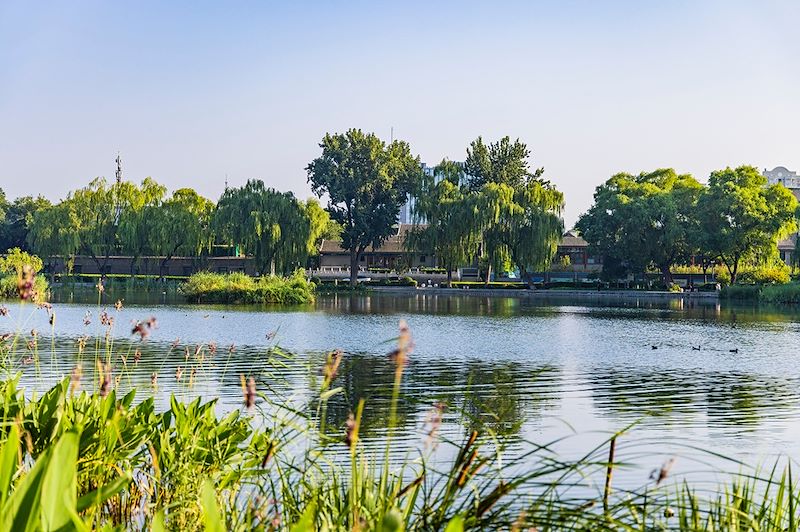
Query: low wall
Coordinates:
[530,294]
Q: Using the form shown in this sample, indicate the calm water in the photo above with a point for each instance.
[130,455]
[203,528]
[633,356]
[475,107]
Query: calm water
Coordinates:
[524,370]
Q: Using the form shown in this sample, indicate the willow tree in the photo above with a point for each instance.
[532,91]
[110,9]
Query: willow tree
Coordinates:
[643,221]
[534,226]
[319,225]
[741,217]
[181,225]
[365,181]
[52,232]
[265,223]
[519,213]
[451,232]
[136,206]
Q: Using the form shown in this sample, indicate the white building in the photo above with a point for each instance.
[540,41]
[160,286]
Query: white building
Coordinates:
[781,175]
[406,215]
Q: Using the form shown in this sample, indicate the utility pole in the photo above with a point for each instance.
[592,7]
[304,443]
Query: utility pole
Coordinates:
[117,206]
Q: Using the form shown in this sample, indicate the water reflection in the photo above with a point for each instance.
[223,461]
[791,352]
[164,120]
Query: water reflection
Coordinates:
[506,365]
[738,400]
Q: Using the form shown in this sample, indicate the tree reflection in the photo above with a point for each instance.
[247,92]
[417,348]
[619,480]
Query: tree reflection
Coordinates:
[485,396]
[727,399]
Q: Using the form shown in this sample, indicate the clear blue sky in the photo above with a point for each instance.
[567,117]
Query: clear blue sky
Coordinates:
[190,91]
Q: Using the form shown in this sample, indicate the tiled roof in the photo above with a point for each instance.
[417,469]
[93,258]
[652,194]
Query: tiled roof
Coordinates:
[788,243]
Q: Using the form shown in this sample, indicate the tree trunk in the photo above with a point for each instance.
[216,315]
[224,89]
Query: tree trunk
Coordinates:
[523,273]
[488,275]
[735,270]
[353,267]
[449,277]
[666,275]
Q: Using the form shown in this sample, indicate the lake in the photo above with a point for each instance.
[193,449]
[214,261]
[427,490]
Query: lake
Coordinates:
[702,374]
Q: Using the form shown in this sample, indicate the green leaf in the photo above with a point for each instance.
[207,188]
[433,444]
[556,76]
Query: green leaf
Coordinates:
[103,493]
[330,393]
[211,514]
[21,510]
[306,521]
[8,463]
[157,525]
[456,524]
[59,485]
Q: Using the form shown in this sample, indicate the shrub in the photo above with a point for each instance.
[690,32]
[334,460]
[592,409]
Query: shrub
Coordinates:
[742,291]
[241,288]
[11,267]
[772,275]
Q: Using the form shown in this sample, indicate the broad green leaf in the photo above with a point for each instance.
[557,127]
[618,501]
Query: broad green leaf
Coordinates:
[211,514]
[59,485]
[8,463]
[456,524]
[21,510]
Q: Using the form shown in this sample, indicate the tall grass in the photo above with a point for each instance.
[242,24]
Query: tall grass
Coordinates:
[241,288]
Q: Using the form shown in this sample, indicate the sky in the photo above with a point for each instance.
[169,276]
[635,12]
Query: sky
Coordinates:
[192,92]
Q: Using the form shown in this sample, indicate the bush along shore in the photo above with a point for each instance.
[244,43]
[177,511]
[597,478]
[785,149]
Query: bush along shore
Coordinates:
[788,293]
[81,456]
[18,276]
[209,287]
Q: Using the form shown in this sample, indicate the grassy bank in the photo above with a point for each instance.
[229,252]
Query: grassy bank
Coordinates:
[788,293]
[209,287]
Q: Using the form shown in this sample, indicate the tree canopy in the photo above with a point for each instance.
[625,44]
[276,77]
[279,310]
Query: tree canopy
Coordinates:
[365,181]
[641,221]
[494,206]
[277,229]
[740,216]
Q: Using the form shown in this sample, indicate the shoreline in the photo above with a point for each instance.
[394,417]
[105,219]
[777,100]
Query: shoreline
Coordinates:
[541,294]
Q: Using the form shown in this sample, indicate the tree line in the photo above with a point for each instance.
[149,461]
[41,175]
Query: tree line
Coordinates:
[661,219]
[493,210]
[122,218]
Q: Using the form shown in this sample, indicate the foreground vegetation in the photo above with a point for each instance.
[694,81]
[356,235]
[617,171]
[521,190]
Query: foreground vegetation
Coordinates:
[210,287]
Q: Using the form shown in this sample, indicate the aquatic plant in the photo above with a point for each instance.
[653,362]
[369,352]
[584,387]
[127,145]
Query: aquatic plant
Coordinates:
[241,288]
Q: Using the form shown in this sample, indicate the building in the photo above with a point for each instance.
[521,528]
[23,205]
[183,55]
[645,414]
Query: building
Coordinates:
[393,254]
[781,175]
[573,255]
[407,215]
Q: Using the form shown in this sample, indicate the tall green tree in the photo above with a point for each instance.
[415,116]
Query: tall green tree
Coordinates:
[137,205]
[741,217]
[181,225]
[270,225]
[503,162]
[452,230]
[518,211]
[643,221]
[365,181]
[16,219]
